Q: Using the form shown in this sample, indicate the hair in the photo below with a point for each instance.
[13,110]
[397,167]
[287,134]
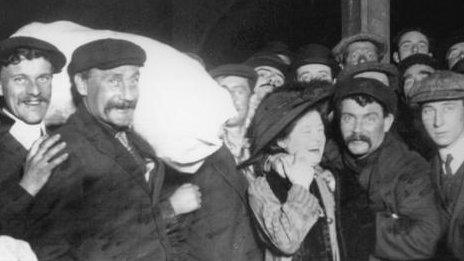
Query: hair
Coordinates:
[396,39]
[76,96]
[362,100]
[15,56]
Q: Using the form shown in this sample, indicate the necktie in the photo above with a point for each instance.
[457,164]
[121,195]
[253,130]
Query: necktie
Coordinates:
[448,160]
[149,163]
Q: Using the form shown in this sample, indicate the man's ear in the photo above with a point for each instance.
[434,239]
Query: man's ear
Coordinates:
[388,122]
[396,57]
[81,84]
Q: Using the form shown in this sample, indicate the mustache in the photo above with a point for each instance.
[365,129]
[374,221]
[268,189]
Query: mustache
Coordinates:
[39,98]
[121,105]
[358,137]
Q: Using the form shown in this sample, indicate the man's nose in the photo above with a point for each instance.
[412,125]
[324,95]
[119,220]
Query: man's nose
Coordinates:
[128,92]
[33,88]
[438,120]
[415,49]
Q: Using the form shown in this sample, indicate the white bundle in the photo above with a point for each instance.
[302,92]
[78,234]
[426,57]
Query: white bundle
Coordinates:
[15,250]
[180,110]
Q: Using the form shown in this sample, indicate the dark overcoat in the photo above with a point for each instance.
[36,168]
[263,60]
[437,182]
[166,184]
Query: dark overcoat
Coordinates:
[97,205]
[14,200]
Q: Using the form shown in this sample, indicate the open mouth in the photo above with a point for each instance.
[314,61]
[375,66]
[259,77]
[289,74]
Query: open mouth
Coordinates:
[33,102]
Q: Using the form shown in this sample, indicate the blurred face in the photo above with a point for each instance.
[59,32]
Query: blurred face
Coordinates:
[444,121]
[455,54]
[411,43]
[361,52]
[26,87]
[307,136]
[111,95]
[269,78]
[415,73]
[309,72]
[363,128]
[239,89]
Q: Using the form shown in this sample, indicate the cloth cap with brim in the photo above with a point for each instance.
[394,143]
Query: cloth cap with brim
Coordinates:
[440,85]
[10,45]
[371,87]
[379,41]
[279,109]
[240,70]
[456,37]
[105,54]
[390,70]
[316,54]
[418,58]
[271,60]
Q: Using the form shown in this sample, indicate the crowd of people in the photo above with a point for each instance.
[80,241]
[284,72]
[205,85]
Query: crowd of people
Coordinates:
[332,155]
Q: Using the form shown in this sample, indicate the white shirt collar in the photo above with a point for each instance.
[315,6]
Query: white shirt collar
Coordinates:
[457,151]
[25,133]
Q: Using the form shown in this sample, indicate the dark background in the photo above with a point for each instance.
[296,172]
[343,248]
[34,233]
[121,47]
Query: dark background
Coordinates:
[226,30]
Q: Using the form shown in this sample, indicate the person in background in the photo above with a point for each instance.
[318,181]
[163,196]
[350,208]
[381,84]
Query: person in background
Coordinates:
[360,48]
[454,52]
[315,62]
[239,80]
[271,72]
[413,70]
[411,41]
[441,100]
[293,196]
[28,154]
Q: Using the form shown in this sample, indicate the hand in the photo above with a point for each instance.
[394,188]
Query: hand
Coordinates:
[186,199]
[38,166]
[298,168]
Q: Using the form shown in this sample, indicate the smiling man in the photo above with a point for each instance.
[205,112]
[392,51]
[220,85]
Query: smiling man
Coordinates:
[27,154]
[441,99]
[388,208]
[104,203]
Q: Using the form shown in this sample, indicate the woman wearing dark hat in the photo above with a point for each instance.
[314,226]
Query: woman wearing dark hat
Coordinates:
[293,197]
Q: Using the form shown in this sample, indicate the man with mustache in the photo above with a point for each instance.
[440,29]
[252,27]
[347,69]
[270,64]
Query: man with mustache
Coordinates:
[104,202]
[27,154]
[387,204]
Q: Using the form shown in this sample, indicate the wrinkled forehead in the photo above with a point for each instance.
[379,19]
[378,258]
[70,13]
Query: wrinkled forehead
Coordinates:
[123,70]
[380,76]
[314,68]
[269,69]
[413,36]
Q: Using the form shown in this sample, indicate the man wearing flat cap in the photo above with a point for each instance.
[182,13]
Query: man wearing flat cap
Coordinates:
[315,62]
[27,155]
[239,81]
[360,48]
[441,100]
[104,202]
[388,209]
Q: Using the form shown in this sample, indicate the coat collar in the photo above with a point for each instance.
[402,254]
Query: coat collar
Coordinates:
[103,139]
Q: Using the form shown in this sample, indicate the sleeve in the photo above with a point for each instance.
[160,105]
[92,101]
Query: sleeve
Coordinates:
[414,230]
[14,202]
[286,225]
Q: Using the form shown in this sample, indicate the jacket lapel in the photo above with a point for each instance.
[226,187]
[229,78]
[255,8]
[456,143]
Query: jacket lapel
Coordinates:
[459,207]
[109,146]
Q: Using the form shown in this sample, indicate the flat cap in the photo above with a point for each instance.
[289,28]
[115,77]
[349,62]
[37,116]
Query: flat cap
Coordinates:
[241,70]
[374,88]
[390,70]
[440,85]
[106,54]
[271,60]
[379,41]
[10,45]
[418,58]
[316,54]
